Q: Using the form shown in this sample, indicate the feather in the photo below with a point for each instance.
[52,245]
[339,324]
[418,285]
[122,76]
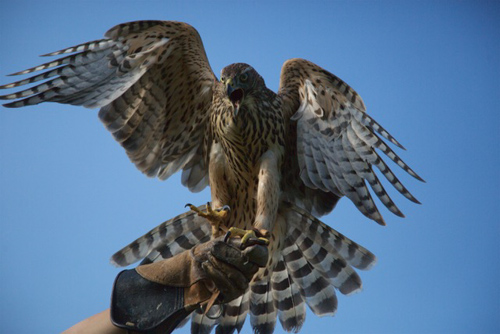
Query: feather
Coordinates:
[200,323]
[153,89]
[315,290]
[333,241]
[262,310]
[312,262]
[336,139]
[164,235]
[287,298]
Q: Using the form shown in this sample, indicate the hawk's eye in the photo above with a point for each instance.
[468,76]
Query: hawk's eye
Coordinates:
[222,79]
[243,77]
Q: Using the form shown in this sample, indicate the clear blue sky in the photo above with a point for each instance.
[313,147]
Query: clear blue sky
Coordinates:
[427,71]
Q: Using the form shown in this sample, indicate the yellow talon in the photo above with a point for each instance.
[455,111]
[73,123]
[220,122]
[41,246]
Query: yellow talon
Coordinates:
[215,217]
[246,235]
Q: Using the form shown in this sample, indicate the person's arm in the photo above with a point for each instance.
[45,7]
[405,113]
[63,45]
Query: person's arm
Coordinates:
[157,296]
[99,323]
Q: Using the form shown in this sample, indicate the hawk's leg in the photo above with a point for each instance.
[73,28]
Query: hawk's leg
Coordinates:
[216,217]
[268,191]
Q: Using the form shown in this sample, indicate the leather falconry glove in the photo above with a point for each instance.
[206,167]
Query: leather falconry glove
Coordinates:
[156,297]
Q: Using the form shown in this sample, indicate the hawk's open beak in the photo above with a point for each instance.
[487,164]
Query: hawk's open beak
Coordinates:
[235,95]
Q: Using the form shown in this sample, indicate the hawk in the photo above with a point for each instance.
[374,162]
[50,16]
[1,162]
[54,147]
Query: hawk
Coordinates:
[277,160]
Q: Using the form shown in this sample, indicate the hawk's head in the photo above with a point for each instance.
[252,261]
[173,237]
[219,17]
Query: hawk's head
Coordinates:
[240,80]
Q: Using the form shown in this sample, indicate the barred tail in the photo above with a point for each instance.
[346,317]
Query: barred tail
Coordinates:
[166,240]
[313,261]
[308,262]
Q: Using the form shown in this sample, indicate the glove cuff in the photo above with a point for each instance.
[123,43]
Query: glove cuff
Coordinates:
[139,305]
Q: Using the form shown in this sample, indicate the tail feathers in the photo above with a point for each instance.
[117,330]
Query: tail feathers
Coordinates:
[287,299]
[315,288]
[234,314]
[262,310]
[243,310]
[330,264]
[307,264]
[231,320]
[203,324]
[333,241]
[184,242]
[167,239]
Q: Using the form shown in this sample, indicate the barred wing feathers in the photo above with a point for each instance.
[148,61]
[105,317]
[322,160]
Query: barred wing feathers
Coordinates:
[307,266]
[336,139]
[153,83]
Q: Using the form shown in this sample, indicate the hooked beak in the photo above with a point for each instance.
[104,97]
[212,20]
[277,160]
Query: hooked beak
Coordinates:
[235,95]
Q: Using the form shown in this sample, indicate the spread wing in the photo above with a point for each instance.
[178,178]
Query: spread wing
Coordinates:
[335,143]
[154,85]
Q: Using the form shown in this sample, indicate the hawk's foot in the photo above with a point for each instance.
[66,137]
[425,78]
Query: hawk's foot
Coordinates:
[255,236]
[216,217]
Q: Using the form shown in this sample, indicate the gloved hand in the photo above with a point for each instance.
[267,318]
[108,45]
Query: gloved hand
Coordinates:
[154,298]
[206,268]
[230,268]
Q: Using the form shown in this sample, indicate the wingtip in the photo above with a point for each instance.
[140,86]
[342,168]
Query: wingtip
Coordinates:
[116,259]
[397,143]
[412,198]
[380,221]
[16,73]
[416,176]
[7,86]
[10,105]
[372,264]
[113,263]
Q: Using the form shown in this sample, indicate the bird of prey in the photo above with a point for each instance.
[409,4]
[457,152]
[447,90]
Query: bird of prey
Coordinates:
[277,160]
